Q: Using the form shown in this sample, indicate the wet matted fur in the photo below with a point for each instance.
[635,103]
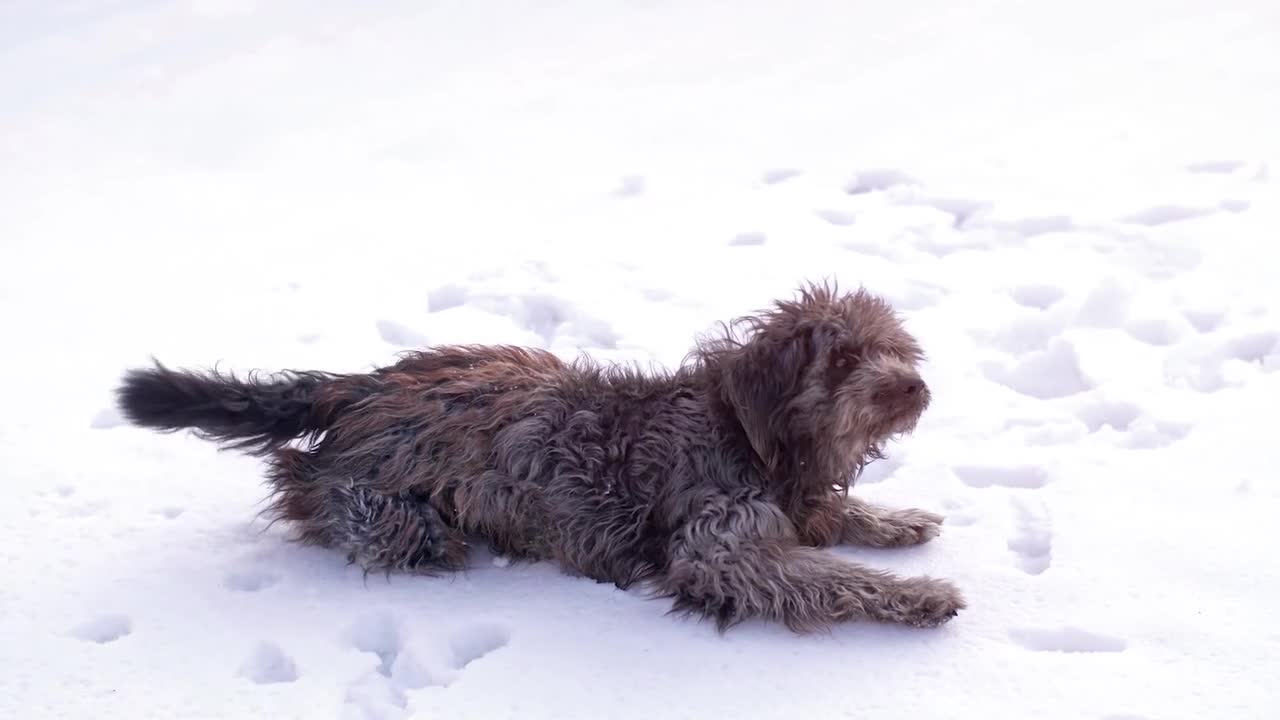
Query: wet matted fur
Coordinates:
[715,484]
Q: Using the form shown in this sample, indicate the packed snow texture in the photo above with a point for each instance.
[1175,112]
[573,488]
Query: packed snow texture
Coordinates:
[1073,205]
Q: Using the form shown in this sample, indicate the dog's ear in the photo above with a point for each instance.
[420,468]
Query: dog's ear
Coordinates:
[766,380]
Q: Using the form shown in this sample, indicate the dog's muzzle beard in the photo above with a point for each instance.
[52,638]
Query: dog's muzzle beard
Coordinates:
[903,422]
[902,406]
[863,432]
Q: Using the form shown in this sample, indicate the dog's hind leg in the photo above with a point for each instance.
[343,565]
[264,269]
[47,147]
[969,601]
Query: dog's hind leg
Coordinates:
[737,561]
[880,527]
[378,531]
[393,533]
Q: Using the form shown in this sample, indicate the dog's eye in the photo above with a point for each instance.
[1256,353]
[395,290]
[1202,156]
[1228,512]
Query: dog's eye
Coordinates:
[841,366]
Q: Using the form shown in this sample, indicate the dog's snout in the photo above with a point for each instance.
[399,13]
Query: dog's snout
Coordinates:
[911,386]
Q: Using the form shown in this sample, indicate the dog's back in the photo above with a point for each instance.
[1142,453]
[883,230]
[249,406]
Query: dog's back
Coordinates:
[543,458]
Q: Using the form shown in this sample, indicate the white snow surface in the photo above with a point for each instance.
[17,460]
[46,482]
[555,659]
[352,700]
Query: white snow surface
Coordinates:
[1074,205]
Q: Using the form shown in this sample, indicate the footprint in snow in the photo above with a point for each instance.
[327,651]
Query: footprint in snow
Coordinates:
[1025,333]
[380,634]
[1205,319]
[1166,214]
[400,334]
[445,297]
[250,580]
[551,317]
[1254,347]
[1216,167]
[1066,639]
[778,175]
[106,419]
[963,210]
[839,218]
[1032,538]
[268,664]
[747,239]
[104,628]
[1126,417]
[384,692]
[1211,368]
[959,513]
[873,179]
[1106,305]
[475,642]
[1024,477]
[1040,296]
[1044,374]
[1148,433]
[1038,225]
[1159,332]
[1116,414]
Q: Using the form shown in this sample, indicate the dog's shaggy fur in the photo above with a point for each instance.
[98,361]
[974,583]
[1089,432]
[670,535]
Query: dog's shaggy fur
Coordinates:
[715,484]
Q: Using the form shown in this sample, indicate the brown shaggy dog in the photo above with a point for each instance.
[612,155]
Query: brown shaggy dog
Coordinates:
[714,484]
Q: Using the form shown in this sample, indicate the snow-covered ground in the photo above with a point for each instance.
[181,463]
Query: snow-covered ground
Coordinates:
[1076,205]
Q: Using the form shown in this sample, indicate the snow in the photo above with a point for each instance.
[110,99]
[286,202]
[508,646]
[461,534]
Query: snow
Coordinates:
[1073,204]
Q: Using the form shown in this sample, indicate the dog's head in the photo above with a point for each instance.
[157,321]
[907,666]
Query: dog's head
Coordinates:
[820,382]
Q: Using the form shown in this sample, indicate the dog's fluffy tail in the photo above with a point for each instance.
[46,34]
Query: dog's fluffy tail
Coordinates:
[256,415]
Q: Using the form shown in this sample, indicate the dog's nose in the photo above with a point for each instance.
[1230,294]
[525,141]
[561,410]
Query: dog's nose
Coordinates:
[910,385]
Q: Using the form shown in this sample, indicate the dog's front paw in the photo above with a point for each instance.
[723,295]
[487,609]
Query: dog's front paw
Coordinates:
[884,528]
[924,603]
[914,527]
